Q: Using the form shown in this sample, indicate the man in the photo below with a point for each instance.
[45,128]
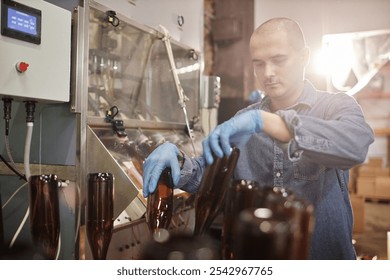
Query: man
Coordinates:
[297,137]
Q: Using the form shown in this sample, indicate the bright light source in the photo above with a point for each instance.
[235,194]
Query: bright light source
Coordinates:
[321,62]
[335,59]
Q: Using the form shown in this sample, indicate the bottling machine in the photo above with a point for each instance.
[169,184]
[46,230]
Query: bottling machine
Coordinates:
[135,77]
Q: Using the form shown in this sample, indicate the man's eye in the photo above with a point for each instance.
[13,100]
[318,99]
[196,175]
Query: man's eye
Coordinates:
[259,64]
[279,60]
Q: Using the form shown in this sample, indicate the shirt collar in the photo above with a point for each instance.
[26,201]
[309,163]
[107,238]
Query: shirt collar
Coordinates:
[307,98]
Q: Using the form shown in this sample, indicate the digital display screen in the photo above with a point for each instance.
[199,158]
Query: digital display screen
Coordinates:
[22,22]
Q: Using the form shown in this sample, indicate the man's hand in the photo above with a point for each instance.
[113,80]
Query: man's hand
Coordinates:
[164,156]
[219,140]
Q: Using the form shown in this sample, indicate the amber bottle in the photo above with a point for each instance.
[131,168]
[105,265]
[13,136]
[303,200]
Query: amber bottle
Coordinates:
[100,213]
[45,214]
[261,234]
[301,214]
[272,218]
[159,203]
[242,194]
[210,198]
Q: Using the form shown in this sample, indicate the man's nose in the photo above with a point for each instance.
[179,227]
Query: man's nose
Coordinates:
[269,70]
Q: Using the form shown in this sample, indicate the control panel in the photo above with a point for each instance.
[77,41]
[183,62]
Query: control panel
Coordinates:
[35,45]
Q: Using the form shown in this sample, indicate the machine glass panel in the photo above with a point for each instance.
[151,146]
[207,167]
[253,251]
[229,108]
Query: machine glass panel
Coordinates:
[129,68]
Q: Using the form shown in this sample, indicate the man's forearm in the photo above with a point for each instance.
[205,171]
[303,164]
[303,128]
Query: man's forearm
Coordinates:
[275,127]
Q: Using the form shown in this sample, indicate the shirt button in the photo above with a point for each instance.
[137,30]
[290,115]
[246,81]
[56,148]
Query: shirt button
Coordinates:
[297,138]
[296,154]
[278,174]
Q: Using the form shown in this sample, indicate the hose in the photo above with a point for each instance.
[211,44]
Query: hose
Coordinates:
[20,228]
[27,147]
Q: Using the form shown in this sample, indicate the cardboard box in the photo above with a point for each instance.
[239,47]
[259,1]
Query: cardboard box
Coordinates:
[357,202]
[365,186]
[382,187]
[375,161]
[372,171]
[353,175]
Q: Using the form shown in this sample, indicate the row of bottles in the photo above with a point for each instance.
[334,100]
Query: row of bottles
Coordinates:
[259,222]
[45,214]
[209,201]
[262,222]
[44,206]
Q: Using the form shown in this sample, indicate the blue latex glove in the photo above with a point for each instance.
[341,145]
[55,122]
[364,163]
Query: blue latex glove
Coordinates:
[242,125]
[162,157]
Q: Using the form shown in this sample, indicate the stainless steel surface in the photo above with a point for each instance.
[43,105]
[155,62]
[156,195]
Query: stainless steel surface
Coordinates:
[79,58]
[102,160]
[64,172]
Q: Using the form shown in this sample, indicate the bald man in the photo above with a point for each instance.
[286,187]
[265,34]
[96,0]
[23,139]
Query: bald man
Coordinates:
[296,138]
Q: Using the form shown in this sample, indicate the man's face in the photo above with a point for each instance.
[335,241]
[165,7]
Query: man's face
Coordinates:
[279,67]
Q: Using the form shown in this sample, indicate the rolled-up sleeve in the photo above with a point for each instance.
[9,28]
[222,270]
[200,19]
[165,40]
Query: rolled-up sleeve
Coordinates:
[340,137]
[191,174]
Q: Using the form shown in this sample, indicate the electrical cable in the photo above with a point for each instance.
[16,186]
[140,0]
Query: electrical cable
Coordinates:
[77,216]
[12,196]
[9,154]
[30,108]
[13,169]
[19,228]
[27,147]
[7,116]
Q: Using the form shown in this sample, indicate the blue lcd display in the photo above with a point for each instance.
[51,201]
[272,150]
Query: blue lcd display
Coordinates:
[22,22]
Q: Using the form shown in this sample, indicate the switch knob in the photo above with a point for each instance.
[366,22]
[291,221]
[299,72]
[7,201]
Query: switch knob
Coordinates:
[21,67]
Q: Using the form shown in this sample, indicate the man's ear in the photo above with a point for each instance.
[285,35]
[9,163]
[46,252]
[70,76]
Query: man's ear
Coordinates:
[305,56]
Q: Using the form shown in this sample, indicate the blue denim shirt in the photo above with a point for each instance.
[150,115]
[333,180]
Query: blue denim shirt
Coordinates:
[330,135]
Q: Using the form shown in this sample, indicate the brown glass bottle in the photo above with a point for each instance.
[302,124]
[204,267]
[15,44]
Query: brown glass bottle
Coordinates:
[44,214]
[212,191]
[301,216]
[160,204]
[100,212]
[242,194]
[159,208]
[261,234]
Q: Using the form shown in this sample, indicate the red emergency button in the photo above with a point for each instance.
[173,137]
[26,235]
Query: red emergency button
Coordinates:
[21,67]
